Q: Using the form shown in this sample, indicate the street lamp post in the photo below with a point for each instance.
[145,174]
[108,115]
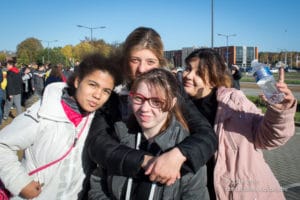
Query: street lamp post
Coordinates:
[227,36]
[48,43]
[91,29]
[212,24]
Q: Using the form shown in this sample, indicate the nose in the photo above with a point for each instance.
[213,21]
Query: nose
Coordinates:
[145,106]
[187,75]
[97,94]
[142,68]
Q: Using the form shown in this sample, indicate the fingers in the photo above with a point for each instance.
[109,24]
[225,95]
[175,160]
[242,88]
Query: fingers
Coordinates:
[149,169]
[32,190]
[281,75]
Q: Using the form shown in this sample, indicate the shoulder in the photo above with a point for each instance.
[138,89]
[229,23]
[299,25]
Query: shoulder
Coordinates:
[232,96]
[121,129]
[32,111]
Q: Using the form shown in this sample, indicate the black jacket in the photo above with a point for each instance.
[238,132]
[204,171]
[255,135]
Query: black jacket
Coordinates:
[106,150]
[14,83]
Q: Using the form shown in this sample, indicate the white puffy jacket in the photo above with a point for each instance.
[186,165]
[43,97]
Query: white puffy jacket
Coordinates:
[45,132]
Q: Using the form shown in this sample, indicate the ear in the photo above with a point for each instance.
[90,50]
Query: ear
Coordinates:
[76,82]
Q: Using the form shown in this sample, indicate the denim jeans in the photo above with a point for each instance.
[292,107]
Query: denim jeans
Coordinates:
[15,100]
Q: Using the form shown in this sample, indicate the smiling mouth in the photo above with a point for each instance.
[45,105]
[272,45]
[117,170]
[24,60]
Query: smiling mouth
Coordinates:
[188,84]
[144,118]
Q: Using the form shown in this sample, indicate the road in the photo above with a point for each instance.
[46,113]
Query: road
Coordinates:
[251,88]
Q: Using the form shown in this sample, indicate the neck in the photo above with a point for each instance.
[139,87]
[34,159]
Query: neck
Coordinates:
[205,92]
[150,133]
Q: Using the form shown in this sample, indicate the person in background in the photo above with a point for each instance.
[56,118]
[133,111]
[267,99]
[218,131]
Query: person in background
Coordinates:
[27,88]
[38,80]
[141,52]
[1,94]
[56,75]
[155,126]
[13,89]
[55,126]
[67,72]
[236,76]
[3,88]
[238,169]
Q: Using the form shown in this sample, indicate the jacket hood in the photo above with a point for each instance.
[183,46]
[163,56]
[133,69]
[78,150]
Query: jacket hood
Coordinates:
[14,70]
[52,99]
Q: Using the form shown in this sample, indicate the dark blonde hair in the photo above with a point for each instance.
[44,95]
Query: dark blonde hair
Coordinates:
[212,66]
[142,38]
[165,85]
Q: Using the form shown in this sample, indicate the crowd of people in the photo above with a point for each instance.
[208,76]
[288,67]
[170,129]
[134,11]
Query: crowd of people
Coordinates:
[22,86]
[126,127]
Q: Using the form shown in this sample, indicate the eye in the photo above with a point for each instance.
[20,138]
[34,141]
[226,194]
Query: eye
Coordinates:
[156,102]
[137,99]
[92,84]
[107,91]
[151,62]
[134,60]
[188,69]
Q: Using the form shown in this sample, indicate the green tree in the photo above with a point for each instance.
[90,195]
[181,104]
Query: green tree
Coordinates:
[2,57]
[28,50]
[68,52]
[102,47]
[82,49]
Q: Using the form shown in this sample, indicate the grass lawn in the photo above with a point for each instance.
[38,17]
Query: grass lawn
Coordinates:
[290,77]
[259,103]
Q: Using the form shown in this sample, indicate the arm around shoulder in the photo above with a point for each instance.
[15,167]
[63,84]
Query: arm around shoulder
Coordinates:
[106,150]
[202,143]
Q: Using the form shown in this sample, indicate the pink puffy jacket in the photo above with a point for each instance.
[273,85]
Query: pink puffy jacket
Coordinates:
[241,172]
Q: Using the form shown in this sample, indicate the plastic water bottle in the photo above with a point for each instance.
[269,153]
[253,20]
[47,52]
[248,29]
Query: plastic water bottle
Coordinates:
[265,80]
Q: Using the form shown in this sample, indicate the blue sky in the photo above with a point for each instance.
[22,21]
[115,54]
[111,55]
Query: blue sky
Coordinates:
[271,25]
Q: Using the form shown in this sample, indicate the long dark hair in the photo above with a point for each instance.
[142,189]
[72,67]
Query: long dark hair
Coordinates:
[211,65]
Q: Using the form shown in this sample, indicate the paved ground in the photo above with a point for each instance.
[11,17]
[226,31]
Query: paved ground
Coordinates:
[285,164]
[284,161]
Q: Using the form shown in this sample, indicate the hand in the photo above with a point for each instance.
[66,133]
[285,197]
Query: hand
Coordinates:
[166,168]
[147,161]
[289,98]
[32,190]
[234,68]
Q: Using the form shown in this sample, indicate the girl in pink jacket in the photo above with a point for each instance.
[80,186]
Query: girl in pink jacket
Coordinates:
[238,169]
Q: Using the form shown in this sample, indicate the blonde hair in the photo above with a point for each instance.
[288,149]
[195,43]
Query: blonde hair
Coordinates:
[142,38]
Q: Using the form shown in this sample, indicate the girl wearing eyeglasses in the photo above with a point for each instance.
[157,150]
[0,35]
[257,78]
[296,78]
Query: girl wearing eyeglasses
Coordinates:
[155,126]
[141,52]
